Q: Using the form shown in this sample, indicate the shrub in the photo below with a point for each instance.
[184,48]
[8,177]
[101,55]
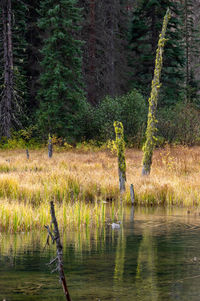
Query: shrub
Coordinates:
[22,139]
[180,124]
[129,109]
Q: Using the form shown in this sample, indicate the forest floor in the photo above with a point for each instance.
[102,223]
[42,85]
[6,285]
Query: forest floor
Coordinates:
[27,185]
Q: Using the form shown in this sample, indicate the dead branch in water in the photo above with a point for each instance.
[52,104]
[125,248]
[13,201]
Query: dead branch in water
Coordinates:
[59,258]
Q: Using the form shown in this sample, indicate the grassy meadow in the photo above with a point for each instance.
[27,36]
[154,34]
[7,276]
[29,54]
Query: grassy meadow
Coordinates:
[82,182]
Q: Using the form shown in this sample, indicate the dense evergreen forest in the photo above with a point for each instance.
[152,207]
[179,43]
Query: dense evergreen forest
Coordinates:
[71,68]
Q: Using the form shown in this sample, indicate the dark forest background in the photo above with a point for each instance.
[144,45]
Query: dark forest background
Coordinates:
[71,68]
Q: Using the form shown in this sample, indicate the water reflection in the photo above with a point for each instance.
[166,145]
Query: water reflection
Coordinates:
[146,276]
[119,258]
[153,256]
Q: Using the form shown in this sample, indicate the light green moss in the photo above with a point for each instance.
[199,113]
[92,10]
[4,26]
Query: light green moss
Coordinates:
[153,100]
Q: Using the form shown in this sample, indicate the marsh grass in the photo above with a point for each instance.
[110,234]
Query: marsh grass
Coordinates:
[19,216]
[81,181]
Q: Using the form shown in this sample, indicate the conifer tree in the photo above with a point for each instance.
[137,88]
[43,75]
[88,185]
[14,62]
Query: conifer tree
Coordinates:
[12,71]
[20,46]
[34,41]
[146,24]
[61,94]
[191,45]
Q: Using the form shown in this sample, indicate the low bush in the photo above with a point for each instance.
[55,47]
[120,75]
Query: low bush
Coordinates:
[130,109]
[180,124]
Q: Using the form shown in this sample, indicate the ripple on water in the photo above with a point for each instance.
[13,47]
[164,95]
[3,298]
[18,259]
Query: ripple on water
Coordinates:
[154,256]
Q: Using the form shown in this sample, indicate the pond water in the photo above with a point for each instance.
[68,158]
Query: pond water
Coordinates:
[154,256]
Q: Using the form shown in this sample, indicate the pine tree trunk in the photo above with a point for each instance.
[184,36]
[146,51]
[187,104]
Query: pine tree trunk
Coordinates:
[111,53]
[187,51]
[7,95]
[91,84]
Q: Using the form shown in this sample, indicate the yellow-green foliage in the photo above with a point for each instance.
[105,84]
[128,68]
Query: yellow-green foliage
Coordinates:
[120,144]
[111,145]
[153,100]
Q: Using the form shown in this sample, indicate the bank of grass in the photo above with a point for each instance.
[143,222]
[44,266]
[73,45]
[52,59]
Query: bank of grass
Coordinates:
[19,216]
[77,178]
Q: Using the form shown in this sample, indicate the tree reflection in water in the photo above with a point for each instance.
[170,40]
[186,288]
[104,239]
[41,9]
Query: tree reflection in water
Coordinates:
[146,275]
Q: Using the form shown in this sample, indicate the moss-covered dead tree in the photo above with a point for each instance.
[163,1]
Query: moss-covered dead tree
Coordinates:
[119,131]
[153,100]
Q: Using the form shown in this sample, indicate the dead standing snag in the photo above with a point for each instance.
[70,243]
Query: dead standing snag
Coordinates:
[153,100]
[50,147]
[119,131]
[59,258]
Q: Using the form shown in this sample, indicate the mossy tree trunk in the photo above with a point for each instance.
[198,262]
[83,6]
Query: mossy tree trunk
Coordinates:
[119,131]
[50,147]
[153,100]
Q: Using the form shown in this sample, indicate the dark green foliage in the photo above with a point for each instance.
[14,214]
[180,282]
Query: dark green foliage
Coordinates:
[34,41]
[129,109]
[146,26]
[61,95]
[179,124]
[19,48]
[48,82]
[191,46]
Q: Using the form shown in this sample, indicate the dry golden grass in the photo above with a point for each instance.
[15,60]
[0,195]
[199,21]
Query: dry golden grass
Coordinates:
[93,177]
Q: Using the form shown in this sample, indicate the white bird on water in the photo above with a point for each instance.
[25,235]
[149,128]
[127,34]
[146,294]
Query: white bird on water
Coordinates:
[116,225]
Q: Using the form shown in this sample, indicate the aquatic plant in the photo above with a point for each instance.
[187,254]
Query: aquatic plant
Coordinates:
[19,216]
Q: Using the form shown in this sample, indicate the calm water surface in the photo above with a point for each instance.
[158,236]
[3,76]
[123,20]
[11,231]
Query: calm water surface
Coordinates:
[154,256]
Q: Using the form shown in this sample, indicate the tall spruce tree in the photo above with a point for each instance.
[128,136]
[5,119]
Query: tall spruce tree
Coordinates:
[146,24]
[13,89]
[34,41]
[20,46]
[61,94]
[191,45]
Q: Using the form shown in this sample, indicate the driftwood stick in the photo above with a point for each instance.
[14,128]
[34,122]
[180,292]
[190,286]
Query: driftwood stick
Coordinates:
[59,253]
[27,154]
